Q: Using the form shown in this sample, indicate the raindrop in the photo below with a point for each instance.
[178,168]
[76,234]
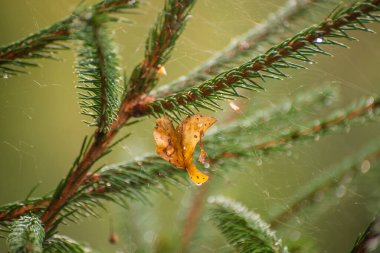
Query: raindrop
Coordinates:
[365,166]
[370,101]
[295,235]
[340,191]
[243,45]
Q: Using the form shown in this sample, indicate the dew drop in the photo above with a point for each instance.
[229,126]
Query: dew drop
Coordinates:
[317,137]
[259,162]
[206,165]
[234,107]
[365,166]
[340,191]
[318,40]
[5,76]
[295,235]
[243,45]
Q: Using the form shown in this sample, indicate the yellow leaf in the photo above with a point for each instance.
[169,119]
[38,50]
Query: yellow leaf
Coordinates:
[177,146]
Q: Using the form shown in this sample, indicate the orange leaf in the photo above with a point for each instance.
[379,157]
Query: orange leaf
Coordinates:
[177,146]
[168,146]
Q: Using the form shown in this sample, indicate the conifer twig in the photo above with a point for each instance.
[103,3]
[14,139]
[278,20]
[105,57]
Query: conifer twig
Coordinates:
[159,45]
[268,65]
[98,71]
[64,244]
[167,35]
[328,180]
[241,47]
[359,111]
[26,235]
[45,42]
[243,229]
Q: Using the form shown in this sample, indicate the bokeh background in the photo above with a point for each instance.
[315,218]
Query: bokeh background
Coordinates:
[41,130]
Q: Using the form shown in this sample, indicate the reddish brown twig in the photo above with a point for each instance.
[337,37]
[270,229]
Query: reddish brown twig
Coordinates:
[192,218]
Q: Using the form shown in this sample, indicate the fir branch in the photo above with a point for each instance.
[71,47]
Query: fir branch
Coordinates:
[64,244]
[237,145]
[369,240]
[69,187]
[246,45]
[269,121]
[365,158]
[26,236]
[115,182]
[160,43]
[46,42]
[243,229]
[97,68]
[15,210]
[269,65]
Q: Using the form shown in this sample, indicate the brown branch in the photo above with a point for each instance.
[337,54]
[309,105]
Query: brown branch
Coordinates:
[17,212]
[195,212]
[79,174]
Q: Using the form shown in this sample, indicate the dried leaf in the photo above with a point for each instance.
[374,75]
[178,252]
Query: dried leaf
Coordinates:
[177,146]
[168,144]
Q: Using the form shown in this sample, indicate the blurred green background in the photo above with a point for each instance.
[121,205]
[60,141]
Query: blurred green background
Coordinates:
[41,130]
